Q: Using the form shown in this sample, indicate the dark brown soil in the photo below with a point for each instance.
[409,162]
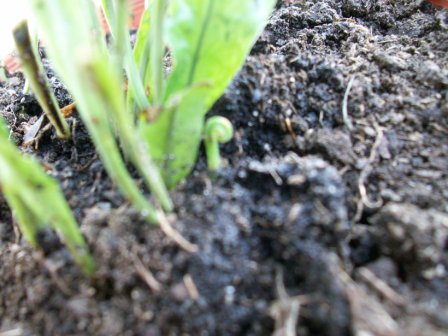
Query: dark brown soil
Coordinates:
[331,226]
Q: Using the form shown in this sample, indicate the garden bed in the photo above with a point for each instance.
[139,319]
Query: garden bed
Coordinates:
[336,224]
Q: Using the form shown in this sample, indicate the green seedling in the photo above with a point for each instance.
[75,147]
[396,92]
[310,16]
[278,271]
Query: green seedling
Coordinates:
[33,69]
[159,120]
[94,79]
[37,201]
[217,130]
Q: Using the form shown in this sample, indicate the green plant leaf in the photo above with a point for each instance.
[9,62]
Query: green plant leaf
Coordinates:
[209,41]
[176,151]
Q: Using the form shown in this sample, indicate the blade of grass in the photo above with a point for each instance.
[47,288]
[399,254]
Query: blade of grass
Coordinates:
[141,59]
[157,50]
[35,47]
[141,47]
[33,69]
[29,225]
[38,201]
[117,14]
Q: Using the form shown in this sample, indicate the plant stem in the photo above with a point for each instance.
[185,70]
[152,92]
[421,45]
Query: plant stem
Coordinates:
[212,153]
[157,50]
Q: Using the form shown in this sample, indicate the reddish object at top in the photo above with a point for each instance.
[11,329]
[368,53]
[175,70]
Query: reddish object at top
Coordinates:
[136,8]
[439,3]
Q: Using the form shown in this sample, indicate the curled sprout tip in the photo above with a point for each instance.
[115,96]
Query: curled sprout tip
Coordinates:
[218,130]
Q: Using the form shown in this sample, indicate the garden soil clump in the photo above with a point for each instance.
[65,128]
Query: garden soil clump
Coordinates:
[329,218]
